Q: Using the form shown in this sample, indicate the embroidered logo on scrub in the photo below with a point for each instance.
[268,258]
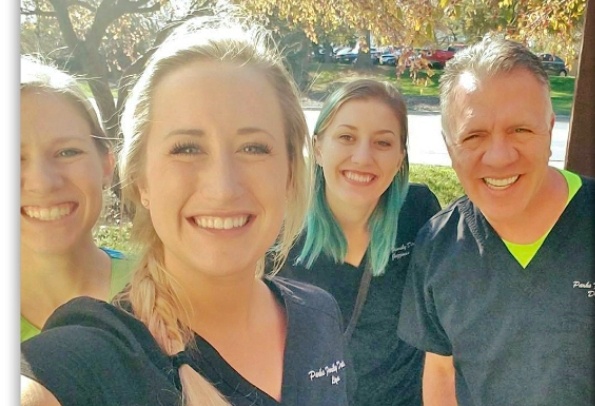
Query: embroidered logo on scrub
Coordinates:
[331,371]
[589,287]
[401,251]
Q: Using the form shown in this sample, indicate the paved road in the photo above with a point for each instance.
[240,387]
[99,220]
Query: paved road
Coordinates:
[427,147]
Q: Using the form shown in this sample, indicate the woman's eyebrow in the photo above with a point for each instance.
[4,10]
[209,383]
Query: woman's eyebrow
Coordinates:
[196,132]
[186,131]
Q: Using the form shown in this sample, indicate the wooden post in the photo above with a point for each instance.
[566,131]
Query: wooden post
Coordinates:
[580,153]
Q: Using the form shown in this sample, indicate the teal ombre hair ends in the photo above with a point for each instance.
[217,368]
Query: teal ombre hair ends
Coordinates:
[323,234]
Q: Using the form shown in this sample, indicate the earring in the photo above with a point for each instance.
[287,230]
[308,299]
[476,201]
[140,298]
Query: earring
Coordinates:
[145,203]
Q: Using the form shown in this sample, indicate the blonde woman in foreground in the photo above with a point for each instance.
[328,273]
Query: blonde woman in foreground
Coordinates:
[213,165]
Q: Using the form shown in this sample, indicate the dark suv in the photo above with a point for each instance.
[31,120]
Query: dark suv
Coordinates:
[553,64]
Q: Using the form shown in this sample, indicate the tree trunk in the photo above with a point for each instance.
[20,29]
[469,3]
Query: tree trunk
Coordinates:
[580,153]
[95,67]
[106,105]
[328,54]
[364,60]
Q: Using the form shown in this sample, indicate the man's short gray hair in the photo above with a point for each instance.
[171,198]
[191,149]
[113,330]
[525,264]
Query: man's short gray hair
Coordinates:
[487,58]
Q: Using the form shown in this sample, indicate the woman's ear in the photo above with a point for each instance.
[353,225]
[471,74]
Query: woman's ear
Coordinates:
[144,200]
[143,193]
[108,167]
[316,149]
[289,183]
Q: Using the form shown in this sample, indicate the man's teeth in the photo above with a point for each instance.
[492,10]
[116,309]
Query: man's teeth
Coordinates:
[500,183]
[358,178]
[49,213]
[221,223]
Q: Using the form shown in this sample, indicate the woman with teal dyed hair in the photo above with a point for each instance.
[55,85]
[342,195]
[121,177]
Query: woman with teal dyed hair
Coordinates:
[360,231]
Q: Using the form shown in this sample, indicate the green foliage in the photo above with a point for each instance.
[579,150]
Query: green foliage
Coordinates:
[114,236]
[442,180]
[114,227]
[562,94]
[85,86]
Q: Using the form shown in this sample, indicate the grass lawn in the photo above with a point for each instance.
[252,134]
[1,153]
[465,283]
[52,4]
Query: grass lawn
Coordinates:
[442,180]
[325,77]
[562,94]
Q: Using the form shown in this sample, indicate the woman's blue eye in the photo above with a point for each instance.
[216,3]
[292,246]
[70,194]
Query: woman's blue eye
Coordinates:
[257,149]
[185,149]
[69,152]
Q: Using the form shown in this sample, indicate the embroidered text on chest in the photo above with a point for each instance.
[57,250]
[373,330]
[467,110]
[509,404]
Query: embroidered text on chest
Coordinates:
[402,251]
[331,371]
[587,286]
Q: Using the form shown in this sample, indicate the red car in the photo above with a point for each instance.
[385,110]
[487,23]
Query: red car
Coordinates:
[438,58]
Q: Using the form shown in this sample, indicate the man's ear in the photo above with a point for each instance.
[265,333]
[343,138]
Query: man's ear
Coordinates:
[552,123]
[445,138]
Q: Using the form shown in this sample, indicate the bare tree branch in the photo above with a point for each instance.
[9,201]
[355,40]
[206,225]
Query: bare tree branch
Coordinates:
[79,3]
[152,9]
[37,12]
[109,11]
[63,17]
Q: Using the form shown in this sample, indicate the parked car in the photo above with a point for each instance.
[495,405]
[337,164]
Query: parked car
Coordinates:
[375,55]
[389,58]
[553,64]
[347,57]
[319,54]
[351,56]
[437,58]
[338,57]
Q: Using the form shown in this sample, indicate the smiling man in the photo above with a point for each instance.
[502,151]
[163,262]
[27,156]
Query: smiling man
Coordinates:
[497,291]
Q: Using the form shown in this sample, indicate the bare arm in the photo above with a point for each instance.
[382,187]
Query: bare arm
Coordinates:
[439,381]
[34,394]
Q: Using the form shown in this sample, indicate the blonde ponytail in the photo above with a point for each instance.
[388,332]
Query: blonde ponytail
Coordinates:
[156,304]
[197,391]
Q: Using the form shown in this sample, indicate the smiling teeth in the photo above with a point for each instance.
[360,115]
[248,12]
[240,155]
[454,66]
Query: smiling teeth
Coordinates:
[358,178]
[49,213]
[502,183]
[221,223]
